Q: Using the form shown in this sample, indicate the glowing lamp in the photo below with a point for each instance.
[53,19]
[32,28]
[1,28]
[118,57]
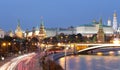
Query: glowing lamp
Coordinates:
[116,41]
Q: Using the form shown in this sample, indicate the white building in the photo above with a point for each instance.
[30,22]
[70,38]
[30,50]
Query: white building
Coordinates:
[109,22]
[54,31]
[51,32]
[86,30]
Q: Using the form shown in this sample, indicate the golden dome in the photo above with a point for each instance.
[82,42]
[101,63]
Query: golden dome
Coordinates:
[115,14]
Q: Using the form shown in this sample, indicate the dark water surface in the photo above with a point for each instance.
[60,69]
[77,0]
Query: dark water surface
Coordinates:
[90,62]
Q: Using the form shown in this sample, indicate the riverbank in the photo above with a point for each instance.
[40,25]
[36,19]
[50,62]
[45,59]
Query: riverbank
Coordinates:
[47,62]
[50,65]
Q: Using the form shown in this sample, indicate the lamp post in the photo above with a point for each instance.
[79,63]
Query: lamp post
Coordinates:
[76,38]
[6,47]
[2,58]
[20,50]
[65,56]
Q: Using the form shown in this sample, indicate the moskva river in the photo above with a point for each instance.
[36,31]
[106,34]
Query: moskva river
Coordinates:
[90,62]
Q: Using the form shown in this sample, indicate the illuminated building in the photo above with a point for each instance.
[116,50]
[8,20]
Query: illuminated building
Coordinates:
[92,28]
[109,22]
[2,33]
[42,32]
[115,23]
[18,31]
[100,33]
[11,34]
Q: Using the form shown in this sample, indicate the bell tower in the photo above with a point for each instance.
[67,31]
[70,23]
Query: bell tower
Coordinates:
[115,25]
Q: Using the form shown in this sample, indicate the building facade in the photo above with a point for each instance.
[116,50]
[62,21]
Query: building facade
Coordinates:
[89,30]
[85,29]
[18,31]
[115,23]
[2,33]
[100,33]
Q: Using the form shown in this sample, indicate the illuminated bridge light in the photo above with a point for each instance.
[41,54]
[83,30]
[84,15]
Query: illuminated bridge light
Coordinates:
[116,41]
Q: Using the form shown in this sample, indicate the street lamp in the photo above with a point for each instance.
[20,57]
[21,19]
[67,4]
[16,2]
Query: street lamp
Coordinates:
[2,58]
[59,44]
[66,55]
[76,38]
[6,46]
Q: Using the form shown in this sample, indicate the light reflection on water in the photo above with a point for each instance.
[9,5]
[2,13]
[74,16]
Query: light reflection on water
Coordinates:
[91,62]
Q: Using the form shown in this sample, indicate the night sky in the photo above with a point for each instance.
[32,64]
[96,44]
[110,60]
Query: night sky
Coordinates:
[55,13]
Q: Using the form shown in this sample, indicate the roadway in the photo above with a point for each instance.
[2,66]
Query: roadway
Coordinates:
[23,62]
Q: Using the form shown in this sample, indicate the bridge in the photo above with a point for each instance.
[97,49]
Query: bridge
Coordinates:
[95,46]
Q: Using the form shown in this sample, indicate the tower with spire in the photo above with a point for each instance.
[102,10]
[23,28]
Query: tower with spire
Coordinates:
[18,31]
[42,32]
[33,32]
[100,33]
[115,24]
[11,33]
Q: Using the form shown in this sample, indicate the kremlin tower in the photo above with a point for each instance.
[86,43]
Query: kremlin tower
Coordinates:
[100,33]
[42,32]
[18,31]
[115,24]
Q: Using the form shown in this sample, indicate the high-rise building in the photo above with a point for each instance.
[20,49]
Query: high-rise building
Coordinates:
[115,23]
[100,33]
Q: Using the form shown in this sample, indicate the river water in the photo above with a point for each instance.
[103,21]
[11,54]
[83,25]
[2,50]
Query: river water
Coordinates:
[90,62]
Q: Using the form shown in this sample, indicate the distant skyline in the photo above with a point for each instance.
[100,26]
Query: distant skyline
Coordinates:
[56,13]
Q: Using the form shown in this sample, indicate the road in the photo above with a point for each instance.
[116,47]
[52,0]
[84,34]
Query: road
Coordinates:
[23,62]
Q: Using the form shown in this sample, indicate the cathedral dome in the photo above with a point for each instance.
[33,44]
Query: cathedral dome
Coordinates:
[115,14]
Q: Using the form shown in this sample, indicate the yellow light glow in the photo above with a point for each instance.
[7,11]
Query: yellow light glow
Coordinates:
[99,53]
[72,45]
[3,44]
[111,53]
[59,44]
[116,41]
[42,45]
[9,43]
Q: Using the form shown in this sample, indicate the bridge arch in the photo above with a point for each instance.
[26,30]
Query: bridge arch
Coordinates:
[95,47]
